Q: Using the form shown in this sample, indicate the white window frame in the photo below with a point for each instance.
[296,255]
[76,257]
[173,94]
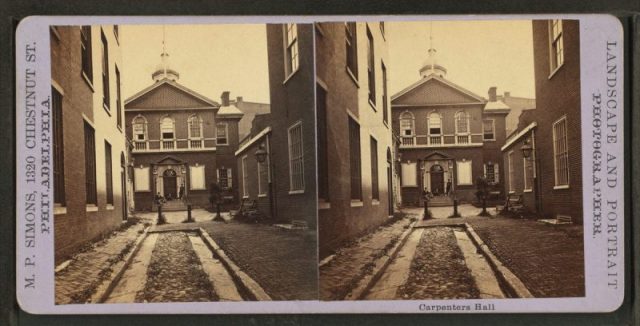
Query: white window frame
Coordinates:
[457,117]
[411,120]
[291,50]
[198,120]
[245,177]
[430,122]
[496,173]
[192,185]
[136,184]
[493,130]
[173,127]
[526,186]
[556,54]
[458,181]
[226,132]
[228,176]
[262,192]
[557,185]
[144,128]
[511,172]
[293,190]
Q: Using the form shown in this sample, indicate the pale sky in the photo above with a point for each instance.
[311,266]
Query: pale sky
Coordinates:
[476,54]
[210,58]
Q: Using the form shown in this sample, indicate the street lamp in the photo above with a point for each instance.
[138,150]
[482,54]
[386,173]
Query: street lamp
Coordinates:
[527,149]
[261,154]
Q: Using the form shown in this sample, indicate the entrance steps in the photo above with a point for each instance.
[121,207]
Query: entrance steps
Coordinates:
[441,201]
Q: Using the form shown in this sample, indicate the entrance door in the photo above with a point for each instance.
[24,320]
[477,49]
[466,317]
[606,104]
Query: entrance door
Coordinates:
[437,180]
[390,189]
[170,184]
[123,185]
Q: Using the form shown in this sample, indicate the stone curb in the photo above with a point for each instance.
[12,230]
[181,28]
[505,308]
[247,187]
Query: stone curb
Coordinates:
[366,283]
[512,282]
[104,290]
[245,281]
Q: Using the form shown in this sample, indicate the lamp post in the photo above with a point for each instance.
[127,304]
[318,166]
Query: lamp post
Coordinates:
[426,214]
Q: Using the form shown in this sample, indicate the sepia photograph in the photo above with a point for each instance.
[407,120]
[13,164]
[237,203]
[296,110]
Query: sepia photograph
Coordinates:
[449,160]
[184,163]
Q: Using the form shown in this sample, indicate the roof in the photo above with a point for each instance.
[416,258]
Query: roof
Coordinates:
[230,111]
[517,136]
[496,107]
[175,85]
[253,139]
[435,90]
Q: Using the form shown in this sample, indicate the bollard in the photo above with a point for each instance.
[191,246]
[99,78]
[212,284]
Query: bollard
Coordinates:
[455,208]
[159,214]
[427,214]
[189,219]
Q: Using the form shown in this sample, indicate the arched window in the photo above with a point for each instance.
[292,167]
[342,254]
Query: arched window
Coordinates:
[139,127]
[407,124]
[462,123]
[435,124]
[167,128]
[195,127]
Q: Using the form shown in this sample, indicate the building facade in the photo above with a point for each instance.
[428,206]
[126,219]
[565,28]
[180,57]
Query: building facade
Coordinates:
[553,129]
[183,143]
[449,137]
[90,147]
[355,143]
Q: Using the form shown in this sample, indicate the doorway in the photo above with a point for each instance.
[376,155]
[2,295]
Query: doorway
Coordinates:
[437,179]
[123,186]
[170,184]
[389,183]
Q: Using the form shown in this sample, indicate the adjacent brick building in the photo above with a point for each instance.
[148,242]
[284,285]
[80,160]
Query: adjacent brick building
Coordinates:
[448,135]
[355,143]
[553,129]
[90,147]
[183,142]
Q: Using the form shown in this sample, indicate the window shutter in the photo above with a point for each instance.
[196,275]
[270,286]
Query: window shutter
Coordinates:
[229,178]
[496,172]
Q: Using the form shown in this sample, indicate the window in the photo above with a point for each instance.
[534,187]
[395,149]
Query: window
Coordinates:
[512,187]
[139,127]
[462,128]
[197,177]
[492,173]
[371,70]
[435,123]
[263,178]
[528,173]
[351,47]
[221,134]
[105,72]
[85,45]
[465,175]
[118,98]
[406,124]
[409,174]
[166,128]
[375,191]
[108,169]
[560,153]
[245,178]
[141,178]
[58,148]
[90,164]
[225,179]
[488,129]
[296,158]
[321,125]
[355,160]
[556,44]
[385,98]
[291,45]
[195,127]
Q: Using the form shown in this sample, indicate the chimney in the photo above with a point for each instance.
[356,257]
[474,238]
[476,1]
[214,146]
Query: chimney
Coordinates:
[225,98]
[238,100]
[492,93]
[507,94]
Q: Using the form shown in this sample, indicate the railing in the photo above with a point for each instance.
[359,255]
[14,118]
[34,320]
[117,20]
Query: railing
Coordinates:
[439,140]
[177,145]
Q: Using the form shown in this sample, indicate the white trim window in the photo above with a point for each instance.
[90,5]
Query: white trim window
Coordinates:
[556,44]
[291,49]
[263,178]
[492,173]
[462,127]
[465,172]
[222,134]
[167,128]
[139,128]
[512,187]
[225,178]
[488,129]
[434,128]
[194,126]
[409,175]
[141,179]
[560,153]
[527,166]
[407,124]
[197,177]
[245,178]
[296,158]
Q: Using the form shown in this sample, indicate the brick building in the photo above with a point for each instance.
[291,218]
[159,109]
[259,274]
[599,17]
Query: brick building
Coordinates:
[90,147]
[183,142]
[355,143]
[448,135]
[551,179]
[284,185]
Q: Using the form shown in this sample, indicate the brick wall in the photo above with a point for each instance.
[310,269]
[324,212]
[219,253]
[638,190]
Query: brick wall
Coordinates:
[252,186]
[556,96]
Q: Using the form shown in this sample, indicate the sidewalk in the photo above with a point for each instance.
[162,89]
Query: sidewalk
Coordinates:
[350,264]
[78,281]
